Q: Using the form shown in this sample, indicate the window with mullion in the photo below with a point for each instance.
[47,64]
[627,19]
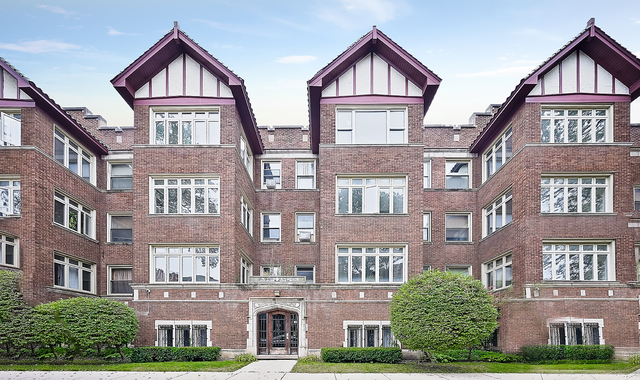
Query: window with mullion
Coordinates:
[73,215]
[74,156]
[499,153]
[121,176]
[305,175]
[498,214]
[575,195]
[371,126]
[9,251]
[10,196]
[10,128]
[186,265]
[186,196]
[371,195]
[457,175]
[73,274]
[498,273]
[271,226]
[577,262]
[370,264]
[187,128]
[574,125]
[246,215]
[271,174]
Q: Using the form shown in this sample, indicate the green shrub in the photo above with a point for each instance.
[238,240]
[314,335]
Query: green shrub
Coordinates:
[439,357]
[603,353]
[634,359]
[174,354]
[361,354]
[497,357]
[245,358]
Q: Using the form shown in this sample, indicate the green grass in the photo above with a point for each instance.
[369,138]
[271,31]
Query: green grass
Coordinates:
[464,367]
[218,366]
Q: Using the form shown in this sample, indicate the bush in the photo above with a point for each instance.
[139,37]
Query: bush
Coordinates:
[634,359]
[497,357]
[245,358]
[174,354]
[361,354]
[556,353]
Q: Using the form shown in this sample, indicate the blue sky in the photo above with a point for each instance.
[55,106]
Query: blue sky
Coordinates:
[480,49]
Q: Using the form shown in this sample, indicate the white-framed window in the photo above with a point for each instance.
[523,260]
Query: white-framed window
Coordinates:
[270,270]
[497,273]
[73,215]
[246,156]
[195,264]
[458,174]
[575,331]
[371,264]
[580,124]
[426,268]
[271,171]
[371,195]
[458,227]
[582,194]
[184,195]
[10,196]
[246,270]
[426,226]
[306,271]
[371,126]
[183,333]
[120,277]
[270,226]
[72,273]
[305,227]
[459,269]
[74,156]
[499,153]
[246,215]
[9,251]
[120,175]
[10,127]
[498,213]
[120,228]
[368,334]
[636,198]
[305,174]
[200,127]
[578,261]
[426,174]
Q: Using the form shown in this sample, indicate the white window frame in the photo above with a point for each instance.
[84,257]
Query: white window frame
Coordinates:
[426,174]
[80,265]
[554,259]
[300,175]
[246,215]
[246,269]
[503,265]
[568,321]
[159,118]
[551,186]
[12,204]
[490,215]
[457,175]
[366,184]
[312,231]
[457,269]
[469,222]
[110,269]
[389,128]
[116,214]
[262,227]
[362,327]
[8,135]
[178,183]
[111,175]
[271,270]
[69,143]
[173,323]
[636,198]
[13,242]
[426,227]
[377,251]
[181,252]
[246,157]
[82,211]
[550,116]
[313,272]
[498,153]
[276,182]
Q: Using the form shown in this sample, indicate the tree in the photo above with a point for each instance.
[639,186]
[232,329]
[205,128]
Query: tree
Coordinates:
[440,311]
[15,315]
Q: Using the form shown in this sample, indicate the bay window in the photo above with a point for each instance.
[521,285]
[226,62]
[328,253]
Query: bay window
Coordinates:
[576,124]
[370,264]
[575,194]
[197,264]
[186,128]
[578,261]
[371,126]
[371,195]
[185,196]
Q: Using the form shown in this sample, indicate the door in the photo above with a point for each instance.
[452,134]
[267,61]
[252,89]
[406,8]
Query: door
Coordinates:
[278,333]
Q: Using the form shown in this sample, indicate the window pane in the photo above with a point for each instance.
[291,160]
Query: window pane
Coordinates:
[558,130]
[343,201]
[58,270]
[602,268]
[371,127]
[384,201]
[59,151]
[457,228]
[561,273]
[370,268]
[159,132]
[174,269]
[398,200]
[214,269]
[384,268]
[343,268]
[86,281]
[356,200]
[173,132]
[173,201]
[545,130]
[398,262]
[214,200]
[73,278]
[587,261]
[186,132]
[356,268]
[186,201]
[187,268]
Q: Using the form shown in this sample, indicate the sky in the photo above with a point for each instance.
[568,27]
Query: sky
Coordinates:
[480,49]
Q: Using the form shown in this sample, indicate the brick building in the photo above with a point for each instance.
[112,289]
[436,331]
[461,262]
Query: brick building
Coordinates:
[282,240]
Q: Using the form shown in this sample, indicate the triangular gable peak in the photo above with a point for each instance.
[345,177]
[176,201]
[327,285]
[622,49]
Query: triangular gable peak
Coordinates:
[11,84]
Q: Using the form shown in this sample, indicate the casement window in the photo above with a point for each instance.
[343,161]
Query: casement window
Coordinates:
[426,226]
[10,128]
[245,156]
[305,175]
[10,196]
[9,251]
[306,271]
[271,227]
[271,174]
[576,194]
[120,228]
[120,278]
[74,156]
[458,174]
[499,153]
[497,273]
[459,269]
[246,270]
[426,174]
[73,274]
[120,175]
[371,126]
[73,215]
[576,125]
[183,333]
[578,262]
[186,128]
[305,227]
[458,227]
[246,215]
[371,195]
[636,198]
[371,264]
[575,331]
[185,195]
[270,270]
[368,334]
[185,264]
[498,213]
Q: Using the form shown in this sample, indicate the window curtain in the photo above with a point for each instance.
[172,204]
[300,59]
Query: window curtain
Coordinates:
[199,336]
[182,336]
[556,331]
[305,168]
[165,336]
[591,333]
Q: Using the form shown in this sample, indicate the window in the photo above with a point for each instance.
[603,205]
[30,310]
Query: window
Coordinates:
[270,227]
[10,128]
[368,334]
[426,174]
[120,280]
[246,270]
[426,268]
[370,264]
[271,174]
[10,196]
[459,269]
[305,175]
[305,227]
[458,227]
[497,273]
[199,128]
[185,196]
[573,331]
[426,226]
[576,125]
[578,262]
[575,194]
[498,213]
[120,175]
[636,198]
[120,228]
[371,195]
[271,270]
[74,156]
[246,215]
[245,156]
[371,126]
[183,333]
[458,174]
[307,272]
[73,274]
[9,251]
[73,215]
[499,153]
[186,264]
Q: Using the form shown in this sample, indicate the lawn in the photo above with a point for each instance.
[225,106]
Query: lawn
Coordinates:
[218,366]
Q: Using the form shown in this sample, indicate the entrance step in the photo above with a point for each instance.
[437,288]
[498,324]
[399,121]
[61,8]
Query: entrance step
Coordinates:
[277,357]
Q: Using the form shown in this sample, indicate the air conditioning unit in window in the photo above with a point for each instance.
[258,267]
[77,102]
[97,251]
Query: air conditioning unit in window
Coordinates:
[271,183]
[304,236]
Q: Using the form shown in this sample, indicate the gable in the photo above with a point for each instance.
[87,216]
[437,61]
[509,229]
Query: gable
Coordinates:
[9,89]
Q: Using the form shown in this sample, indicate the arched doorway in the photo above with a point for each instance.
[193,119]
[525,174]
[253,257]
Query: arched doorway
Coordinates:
[278,332]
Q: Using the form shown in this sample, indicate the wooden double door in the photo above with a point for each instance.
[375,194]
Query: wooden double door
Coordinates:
[278,333]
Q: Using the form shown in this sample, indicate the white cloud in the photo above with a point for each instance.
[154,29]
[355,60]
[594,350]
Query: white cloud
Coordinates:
[381,10]
[40,46]
[56,9]
[514,71]
[635,20]
[296,59]
[371,11]
[113,32]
